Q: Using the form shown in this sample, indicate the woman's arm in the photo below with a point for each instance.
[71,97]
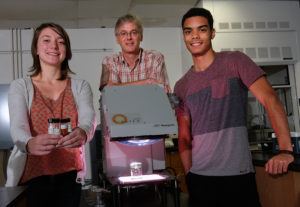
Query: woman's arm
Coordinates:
[19,114]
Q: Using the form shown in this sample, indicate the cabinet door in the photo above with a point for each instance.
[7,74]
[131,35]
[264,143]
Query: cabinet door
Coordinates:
[26,63]
[26,58]
[6,57]
[278,191]
[15,54]
[6,67]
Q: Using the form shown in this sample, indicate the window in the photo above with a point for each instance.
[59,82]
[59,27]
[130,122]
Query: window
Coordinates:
[282,79]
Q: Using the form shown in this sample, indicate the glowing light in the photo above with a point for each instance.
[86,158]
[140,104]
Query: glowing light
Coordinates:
[4,112]
[143,142]
[142,178]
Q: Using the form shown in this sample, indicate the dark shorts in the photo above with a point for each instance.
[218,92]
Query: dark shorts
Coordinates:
[54,190]
[220,191]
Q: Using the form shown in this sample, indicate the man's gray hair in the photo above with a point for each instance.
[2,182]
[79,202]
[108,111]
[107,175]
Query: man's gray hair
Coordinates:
[129,18]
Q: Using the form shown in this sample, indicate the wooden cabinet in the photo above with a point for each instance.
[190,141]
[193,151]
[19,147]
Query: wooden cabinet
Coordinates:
[278,191]
[173,161]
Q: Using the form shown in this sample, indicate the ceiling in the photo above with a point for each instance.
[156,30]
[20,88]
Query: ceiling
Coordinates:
[91,13]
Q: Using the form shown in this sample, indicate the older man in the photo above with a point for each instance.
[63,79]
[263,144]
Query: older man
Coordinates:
[133,65]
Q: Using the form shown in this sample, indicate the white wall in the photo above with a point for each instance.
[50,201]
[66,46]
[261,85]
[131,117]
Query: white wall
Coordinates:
[187,60]
[260,11]
[168,42]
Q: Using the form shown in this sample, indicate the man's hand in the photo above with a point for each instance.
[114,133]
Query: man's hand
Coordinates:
[279,164]
[76,138]
[148,81]
[43,144]
[152,81]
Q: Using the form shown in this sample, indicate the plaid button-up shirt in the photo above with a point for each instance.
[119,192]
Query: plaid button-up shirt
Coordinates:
[150,64]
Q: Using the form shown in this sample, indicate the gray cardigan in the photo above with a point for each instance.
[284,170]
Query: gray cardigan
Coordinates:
[19,101]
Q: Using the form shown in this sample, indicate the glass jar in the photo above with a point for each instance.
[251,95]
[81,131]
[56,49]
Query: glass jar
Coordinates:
[136,169]
[69,125]
[50,126]
[64,126]
[56,123]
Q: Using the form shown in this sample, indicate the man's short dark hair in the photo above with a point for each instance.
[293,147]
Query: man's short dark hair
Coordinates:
[195,11]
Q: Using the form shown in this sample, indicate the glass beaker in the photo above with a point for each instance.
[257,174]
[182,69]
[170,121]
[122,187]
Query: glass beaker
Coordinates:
[136,169]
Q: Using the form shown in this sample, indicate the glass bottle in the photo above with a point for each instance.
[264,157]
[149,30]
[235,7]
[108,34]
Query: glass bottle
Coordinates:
[50,126]
[69,125]
[56,126]
[136,169]
[64,126]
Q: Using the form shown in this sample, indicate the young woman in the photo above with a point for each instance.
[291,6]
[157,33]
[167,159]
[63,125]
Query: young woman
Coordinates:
[52,165]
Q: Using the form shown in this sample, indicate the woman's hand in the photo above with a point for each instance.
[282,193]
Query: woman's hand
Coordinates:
[76,138]
[42,144]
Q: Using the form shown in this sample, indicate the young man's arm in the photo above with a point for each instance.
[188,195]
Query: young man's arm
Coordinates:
[185,142]
[265,94]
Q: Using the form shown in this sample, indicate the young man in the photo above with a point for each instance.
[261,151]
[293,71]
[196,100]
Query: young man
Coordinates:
[213,139]
[133,65]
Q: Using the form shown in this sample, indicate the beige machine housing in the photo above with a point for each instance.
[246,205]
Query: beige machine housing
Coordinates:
[135,115]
